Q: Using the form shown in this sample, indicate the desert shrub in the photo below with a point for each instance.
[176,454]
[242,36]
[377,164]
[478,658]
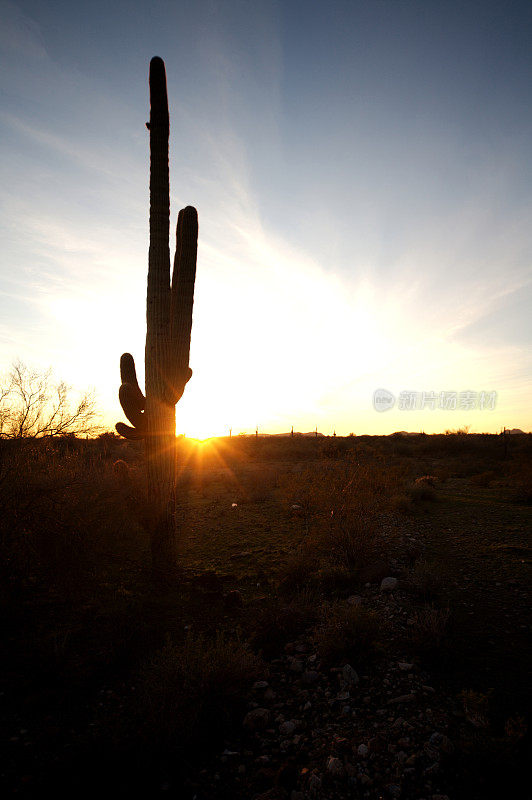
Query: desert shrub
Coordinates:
[476,707]
[61,520]
[443,474]
[429,630]
[297,571]
[346,633]
[304,488]
[401,503]
[422,492]
[188,691]
[413,551]
[426,579]
[521,484]
[353,543]
[483,478]
[333,579]
[516,728]
[275,622]
[426,480]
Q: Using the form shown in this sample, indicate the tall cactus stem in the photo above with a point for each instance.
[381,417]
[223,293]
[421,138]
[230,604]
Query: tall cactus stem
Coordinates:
[168,328]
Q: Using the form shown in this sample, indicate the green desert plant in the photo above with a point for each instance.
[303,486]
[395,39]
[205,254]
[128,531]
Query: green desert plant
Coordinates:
[169,323]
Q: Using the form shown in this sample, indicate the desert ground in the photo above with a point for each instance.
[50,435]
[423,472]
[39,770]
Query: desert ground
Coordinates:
[349,618]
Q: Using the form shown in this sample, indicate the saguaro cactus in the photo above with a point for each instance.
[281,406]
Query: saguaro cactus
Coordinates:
[168,328]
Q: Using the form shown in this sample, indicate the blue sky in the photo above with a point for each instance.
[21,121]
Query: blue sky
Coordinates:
[363,179]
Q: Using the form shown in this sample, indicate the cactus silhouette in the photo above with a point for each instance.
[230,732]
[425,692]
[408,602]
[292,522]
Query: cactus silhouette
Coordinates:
[168,329]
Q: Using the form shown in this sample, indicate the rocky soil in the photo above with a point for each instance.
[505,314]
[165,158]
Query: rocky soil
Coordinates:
[332,732]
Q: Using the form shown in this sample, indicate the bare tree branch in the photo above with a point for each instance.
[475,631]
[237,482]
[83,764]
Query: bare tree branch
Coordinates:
[32,405]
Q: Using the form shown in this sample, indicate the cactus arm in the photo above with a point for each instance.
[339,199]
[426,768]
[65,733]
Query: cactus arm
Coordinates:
[182,299]
[127,432]
[128,374]
[132,400]
[128,401]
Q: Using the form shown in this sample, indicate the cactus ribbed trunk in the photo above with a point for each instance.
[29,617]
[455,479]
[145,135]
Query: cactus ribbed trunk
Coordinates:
[168,328]
[160,442]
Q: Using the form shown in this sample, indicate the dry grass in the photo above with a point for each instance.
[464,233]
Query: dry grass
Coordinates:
[429,631]
[426,579]
[78,603]
[186,690]
[275,622]
[65,515]
[354,543]
[342,507]
[346,633]
[297,572]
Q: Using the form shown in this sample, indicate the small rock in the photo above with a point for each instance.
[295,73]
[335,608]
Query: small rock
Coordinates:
[431,752]
[393,790]
[388,584]
[310,676]
[404,741]
[354,600]
[260,685]
[335,767]
[403,698]
[349,675]
[404,666]
[287,728]
[446,745]
[376,745]
[362,750]
[351,770]
[257,719]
